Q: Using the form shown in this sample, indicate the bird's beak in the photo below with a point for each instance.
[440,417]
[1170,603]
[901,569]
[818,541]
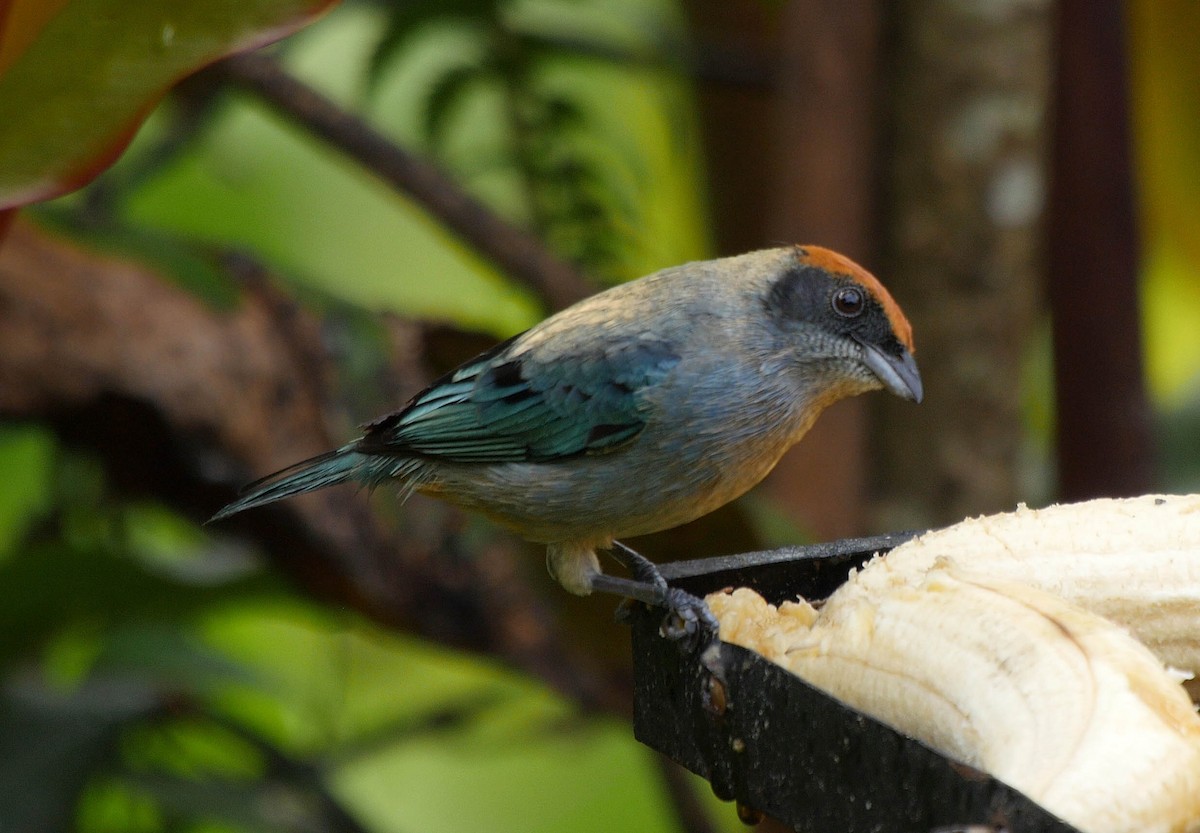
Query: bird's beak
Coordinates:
[899,374]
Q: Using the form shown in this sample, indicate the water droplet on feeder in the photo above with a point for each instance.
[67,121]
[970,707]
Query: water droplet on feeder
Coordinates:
[715,700]
[748,815]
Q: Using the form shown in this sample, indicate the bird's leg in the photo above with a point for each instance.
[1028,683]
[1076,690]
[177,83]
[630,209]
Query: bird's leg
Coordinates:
[686,614]
[638,565]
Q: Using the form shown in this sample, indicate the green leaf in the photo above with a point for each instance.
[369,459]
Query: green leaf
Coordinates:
[585,46]
[194,746]
[406,20]
[78,76]
[445,94]
[25,458]
[50,584]
[170,658]
[266,806]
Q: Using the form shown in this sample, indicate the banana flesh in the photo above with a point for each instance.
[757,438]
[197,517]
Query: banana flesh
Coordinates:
[1135,561]
[1057,701]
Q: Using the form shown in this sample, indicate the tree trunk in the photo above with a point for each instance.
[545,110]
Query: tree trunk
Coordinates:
[824,192]
[965,194]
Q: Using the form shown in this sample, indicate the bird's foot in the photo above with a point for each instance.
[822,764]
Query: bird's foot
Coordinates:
[688,618]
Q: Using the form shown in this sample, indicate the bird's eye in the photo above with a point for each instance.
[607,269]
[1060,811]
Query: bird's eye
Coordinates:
[849,302]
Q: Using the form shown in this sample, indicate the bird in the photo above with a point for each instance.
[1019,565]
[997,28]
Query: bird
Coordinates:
[635,410]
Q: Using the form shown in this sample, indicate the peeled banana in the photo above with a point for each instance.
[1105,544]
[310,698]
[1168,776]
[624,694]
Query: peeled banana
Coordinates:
[956,639]
[1135,561]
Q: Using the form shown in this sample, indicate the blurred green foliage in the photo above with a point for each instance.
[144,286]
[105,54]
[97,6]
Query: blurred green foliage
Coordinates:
[631,162]
[157,678]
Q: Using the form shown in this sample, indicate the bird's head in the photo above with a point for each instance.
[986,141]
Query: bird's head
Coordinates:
[840,326]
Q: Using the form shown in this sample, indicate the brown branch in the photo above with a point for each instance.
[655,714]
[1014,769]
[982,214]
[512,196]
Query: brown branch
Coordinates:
[185,402]
[514,250]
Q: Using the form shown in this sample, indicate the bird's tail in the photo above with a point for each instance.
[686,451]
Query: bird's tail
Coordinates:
[329,469]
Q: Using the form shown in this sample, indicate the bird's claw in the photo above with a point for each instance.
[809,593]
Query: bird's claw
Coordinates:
[688,618]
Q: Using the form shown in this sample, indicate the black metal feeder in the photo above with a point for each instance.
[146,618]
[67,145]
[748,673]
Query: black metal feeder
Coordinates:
[776,745]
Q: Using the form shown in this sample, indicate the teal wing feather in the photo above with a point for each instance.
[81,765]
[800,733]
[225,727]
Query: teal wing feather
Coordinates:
[509,406]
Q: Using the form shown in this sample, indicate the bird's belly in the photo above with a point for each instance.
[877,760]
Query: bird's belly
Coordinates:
[596,499]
